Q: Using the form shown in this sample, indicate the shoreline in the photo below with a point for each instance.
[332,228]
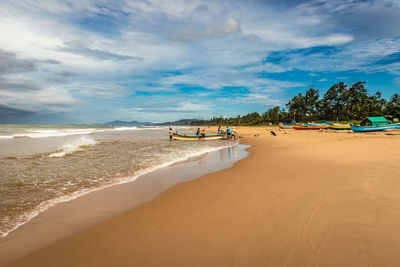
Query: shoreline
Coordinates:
[43,207]
[48,227]
[298,199]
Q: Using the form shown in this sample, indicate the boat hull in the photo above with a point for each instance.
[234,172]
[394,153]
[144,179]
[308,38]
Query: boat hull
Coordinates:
[285,126]
[357,128]
[339,127]
[309,127]
[197,137]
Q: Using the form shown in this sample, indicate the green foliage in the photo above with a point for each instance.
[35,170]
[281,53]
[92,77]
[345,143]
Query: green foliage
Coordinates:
[339,103]
[393,106]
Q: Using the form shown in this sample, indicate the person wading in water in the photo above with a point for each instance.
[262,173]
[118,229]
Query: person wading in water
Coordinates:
[170,133]
[203,134]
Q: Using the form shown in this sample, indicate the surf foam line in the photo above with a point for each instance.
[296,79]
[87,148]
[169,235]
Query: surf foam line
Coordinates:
[54,133]
[67,132]
[27,217]
[73,146]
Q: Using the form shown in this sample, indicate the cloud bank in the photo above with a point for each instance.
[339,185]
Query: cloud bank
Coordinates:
[135,59]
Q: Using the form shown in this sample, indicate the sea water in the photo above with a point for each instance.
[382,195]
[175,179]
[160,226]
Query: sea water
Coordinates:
[41,166]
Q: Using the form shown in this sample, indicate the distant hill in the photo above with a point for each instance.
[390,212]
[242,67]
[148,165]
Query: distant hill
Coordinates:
[180,122]
[139,123]
[125,123]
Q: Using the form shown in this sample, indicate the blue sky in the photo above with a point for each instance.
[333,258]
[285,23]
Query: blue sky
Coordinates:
[96,61]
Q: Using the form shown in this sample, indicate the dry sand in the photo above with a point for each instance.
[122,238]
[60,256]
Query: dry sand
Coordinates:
[300,199]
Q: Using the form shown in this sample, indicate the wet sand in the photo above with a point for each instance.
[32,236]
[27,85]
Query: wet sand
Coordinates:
[300,199]
[69,217]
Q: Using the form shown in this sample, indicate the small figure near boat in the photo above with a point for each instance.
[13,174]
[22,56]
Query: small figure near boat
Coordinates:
[233,134]
[219,130]
[228,131]
[198,131]
[171,133]
[203,133]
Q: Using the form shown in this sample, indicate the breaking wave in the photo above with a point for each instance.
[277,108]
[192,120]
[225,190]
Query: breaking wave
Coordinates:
[73,146]
[53,133]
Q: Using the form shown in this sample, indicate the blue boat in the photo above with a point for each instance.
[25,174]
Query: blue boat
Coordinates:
[357,128]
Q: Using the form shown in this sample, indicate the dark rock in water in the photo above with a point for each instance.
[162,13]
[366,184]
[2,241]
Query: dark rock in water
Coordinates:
[273,133]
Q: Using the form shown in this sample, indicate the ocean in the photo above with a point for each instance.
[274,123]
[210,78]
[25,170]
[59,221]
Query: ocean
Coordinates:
[41,166]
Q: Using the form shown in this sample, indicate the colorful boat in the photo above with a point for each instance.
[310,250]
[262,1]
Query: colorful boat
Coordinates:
[197,137]
[297,126]
[387,127]
[339,127]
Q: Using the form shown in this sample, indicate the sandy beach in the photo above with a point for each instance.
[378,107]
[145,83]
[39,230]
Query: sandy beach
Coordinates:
[301,198]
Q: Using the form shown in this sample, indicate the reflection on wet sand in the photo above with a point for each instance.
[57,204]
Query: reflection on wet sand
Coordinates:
[230,153]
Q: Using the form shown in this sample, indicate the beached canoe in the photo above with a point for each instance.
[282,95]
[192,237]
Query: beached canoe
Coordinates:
[309,127]
[186,137]
[339,127]
[285,126]
[387,127]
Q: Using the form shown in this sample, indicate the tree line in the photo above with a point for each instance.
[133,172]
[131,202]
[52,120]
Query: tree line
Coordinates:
[339,103]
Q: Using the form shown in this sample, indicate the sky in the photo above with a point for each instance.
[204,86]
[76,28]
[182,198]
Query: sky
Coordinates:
[94,61]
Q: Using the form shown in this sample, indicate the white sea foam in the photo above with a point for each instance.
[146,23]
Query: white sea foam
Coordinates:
[125,128]
[73,146]
[54,133]
[48,132]
[28,216]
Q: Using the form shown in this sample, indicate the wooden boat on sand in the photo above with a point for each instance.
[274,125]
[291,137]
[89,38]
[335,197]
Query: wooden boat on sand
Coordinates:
[339,127]
[285,126]
[379,128]
[186,137]
[309,126]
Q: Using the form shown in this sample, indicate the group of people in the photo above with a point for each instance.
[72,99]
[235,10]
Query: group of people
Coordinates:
[202,133]
[228,131]
[220,131]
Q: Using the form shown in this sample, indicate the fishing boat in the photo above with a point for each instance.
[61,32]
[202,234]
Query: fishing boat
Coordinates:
[387,127]
[186,137]
[339,127]
[285,126]
[298,126]
[320,124]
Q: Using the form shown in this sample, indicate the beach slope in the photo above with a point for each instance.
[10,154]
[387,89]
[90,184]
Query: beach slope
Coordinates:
[299,199]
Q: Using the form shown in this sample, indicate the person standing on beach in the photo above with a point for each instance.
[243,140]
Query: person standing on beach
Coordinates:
[228,131]
[203,133]
[198,131]
[233,134]
[170,133]
[219,130]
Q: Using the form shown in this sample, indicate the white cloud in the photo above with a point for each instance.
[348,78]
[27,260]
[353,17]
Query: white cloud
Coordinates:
[213,44]
[96,89]
[43,100]
[218,28]
[261,99]
[175,110]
